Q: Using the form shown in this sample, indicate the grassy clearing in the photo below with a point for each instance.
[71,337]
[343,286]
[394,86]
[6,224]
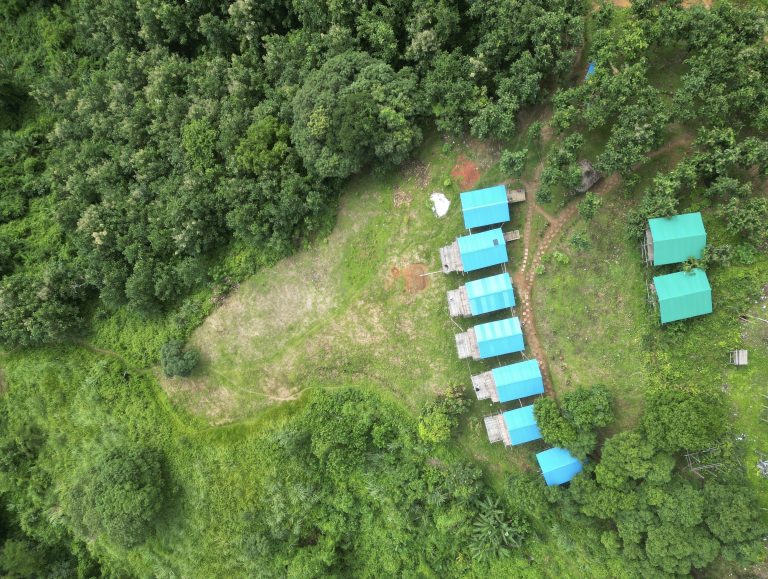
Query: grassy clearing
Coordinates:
[589,313]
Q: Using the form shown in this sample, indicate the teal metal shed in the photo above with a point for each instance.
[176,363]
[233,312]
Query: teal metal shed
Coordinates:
[558,466]
[521,425]
[499,338]
[519,380]
[683,295]
[491,339]
[675,239]
[483,249]
[511,382]
[490,294]
[484,207]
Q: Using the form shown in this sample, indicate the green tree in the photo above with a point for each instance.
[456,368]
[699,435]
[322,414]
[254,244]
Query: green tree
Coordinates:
[353,110]
[589,206]
[512,163]
[176,360]
[119,494]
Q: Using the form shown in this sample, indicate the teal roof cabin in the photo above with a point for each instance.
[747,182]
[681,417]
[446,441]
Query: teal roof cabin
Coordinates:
[513,427]
[674,239]
[683,295]
[521,425]
[510,382]
[482,296]
[484,207]
[558,466]
[491,339]
[476,251]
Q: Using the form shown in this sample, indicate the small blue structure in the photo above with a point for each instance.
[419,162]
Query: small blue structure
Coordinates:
[499,338]
[483,249]
[490,294]
[558,466]
[485,206]
[590,70]
[517,381]
[521,425]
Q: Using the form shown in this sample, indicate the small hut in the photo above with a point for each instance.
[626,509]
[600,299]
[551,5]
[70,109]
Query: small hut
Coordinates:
[674,239]
[513,427]
[683,295]
[589,176]
[590,70]
[511,382]
[739,357]
[482,296]
[558,466]
[473,252]
[484,207]
[491,339]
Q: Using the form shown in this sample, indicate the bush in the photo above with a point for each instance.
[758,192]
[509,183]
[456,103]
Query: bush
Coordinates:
[176,360]
[441,416]
[512,163]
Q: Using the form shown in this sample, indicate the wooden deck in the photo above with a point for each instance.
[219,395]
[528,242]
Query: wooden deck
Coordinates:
[497,429]
[450,257]
[511,235]
[485,387]
[466,345]
[458,303]
[516,195]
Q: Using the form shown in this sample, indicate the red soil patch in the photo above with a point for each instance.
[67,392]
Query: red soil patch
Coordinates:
[412,273]
[465,172]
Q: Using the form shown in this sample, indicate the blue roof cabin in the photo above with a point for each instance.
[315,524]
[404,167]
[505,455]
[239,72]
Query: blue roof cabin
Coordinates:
[558,466]
[511,382]
[590,70]
[482,296]
[473,252]
[514,427]
[484,207]
[491,339]
[683,294]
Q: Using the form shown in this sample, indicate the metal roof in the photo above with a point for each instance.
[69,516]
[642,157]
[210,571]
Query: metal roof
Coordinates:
[483,249]
[683,295]
[558,466]
[485,206]
[499,338]
[521,425]
[490,294]
[677,238]
[519,380]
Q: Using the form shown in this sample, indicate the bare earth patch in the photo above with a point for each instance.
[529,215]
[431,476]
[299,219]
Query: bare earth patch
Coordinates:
[413,275]
[466,172]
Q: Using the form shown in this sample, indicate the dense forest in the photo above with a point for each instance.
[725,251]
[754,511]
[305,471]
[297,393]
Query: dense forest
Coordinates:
[155,153]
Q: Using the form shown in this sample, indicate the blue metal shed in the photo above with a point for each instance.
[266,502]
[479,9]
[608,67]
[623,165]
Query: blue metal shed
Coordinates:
[499,338]
[519,380]
[521,425]
[483,249]
[558,466]
[485,206]
[490,294]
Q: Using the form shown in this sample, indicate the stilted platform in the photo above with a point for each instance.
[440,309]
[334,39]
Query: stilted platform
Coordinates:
[458,303]
[497,429]
[466,344]
[516,195]
[450,257]
[485,387]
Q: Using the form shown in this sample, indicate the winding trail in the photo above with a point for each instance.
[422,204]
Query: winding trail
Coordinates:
[524,276]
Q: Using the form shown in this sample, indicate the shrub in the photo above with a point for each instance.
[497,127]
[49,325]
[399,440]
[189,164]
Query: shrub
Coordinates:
[176,360]
[441,416]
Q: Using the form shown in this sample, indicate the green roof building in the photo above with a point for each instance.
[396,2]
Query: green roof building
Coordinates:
[675,239]
[683,295]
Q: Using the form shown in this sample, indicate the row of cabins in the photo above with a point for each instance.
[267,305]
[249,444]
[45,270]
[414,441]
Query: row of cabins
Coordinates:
[671,240]
[511,382]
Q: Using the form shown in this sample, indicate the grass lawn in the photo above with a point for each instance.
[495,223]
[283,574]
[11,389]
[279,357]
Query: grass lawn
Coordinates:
[590,312]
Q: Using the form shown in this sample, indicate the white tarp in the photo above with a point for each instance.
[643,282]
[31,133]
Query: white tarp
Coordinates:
[440,204]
